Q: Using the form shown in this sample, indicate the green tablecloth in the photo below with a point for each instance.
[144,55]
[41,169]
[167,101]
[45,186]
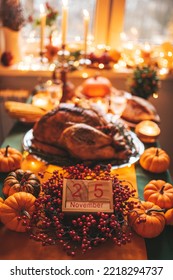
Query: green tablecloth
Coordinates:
[160,248]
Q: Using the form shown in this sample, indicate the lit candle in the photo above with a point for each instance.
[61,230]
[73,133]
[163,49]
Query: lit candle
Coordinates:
[42,27]
[147,131]
[30,162]
[86,27]
[64,21]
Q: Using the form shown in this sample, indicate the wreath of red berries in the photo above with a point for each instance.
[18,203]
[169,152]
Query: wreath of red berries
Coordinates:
[50,226]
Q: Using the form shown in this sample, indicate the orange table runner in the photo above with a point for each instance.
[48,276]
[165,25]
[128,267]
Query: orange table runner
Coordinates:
[18,246]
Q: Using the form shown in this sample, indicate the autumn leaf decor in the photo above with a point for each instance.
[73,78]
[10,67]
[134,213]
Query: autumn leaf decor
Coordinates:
[144,82]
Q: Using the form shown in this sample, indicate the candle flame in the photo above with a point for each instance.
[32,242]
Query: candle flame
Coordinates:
[86,13]
[42,9]
[65,3]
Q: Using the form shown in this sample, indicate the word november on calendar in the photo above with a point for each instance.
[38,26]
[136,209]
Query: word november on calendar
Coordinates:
[87,196]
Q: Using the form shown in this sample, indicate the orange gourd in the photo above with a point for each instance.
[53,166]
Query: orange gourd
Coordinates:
[10,159]
[97,86]
[20,180]
[147,219]
[155,160]
[160,193]
[16,211]
[169,217]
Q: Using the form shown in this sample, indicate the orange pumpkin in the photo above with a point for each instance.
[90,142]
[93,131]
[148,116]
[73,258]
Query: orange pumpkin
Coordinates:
[155,160]
[147,219]
[169,217]
[97,86]
[10,159]
[20,180]
[16,211]
[160,193]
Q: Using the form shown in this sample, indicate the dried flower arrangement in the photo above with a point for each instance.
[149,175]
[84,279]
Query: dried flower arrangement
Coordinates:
[12,14]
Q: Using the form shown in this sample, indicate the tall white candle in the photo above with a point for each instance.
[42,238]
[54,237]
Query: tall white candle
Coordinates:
[42,26]
[64,21]
[86,28]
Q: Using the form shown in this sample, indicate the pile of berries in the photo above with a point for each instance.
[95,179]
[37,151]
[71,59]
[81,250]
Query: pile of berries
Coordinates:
[83,232]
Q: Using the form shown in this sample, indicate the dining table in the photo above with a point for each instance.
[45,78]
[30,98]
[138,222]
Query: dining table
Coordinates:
[17,245]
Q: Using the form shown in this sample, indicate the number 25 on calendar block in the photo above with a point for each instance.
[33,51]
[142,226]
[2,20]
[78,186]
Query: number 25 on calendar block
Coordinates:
[87,196]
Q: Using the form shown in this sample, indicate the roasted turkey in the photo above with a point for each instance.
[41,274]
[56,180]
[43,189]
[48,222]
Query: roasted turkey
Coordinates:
[81,133]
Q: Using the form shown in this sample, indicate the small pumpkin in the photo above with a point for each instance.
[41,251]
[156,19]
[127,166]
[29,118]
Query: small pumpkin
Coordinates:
[16,211]
[147,219]
[169,217]
[10,159]
[160,193]
[155,160]
[96,86]
[21,180]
